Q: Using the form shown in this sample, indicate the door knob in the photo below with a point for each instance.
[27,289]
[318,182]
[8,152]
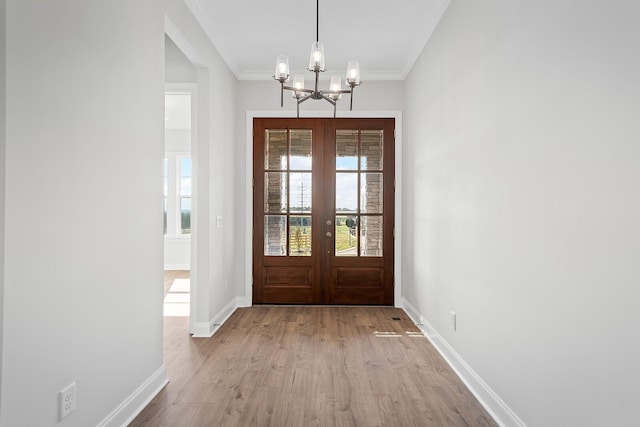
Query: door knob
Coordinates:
[328,234]
[328,222]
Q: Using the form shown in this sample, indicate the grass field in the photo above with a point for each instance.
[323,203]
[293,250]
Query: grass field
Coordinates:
[344,240]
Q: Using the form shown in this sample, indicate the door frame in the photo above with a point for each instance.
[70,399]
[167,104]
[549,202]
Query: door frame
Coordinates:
[397,241]
[192,89]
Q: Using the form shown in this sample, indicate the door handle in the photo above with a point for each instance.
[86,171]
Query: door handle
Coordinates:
[328,234]
[328,222]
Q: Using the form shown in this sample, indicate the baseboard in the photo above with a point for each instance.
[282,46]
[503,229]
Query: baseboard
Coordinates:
[499,410]
[206,330]
[137,401]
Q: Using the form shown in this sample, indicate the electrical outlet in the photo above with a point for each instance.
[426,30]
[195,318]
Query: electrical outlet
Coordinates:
[67,400]
[453,320]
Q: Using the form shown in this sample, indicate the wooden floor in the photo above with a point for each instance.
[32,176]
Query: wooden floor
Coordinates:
[309,366]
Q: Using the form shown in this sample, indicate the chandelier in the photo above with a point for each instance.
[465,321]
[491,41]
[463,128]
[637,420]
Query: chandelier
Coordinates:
[316,64]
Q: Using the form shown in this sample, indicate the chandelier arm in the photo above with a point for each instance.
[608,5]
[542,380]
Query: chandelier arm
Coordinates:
[303,98]
[281,94]
[330,101]
[333,92]
[293,89]
[351,99]
[300,101]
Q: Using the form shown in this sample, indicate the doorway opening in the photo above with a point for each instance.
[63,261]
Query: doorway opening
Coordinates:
[177,187]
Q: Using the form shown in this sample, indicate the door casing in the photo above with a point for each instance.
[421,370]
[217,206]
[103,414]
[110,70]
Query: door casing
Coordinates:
[247,300]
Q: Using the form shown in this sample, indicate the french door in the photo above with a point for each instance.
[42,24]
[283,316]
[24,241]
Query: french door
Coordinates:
[323,214]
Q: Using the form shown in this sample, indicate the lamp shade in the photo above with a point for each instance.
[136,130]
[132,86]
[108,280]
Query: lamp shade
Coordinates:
[282,68]
[298,84]
[353,73]
[316,59]
[335,86]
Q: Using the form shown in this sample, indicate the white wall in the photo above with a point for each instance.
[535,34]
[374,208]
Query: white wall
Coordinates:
[178,69]
[83,243]
[521,186]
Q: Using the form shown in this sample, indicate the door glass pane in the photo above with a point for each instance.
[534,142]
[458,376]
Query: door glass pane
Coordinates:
[166,178]
[346,192]
[185,215]
[185,195]
[371,192]
[300,235]
[275,149]
[300,192]
[300,149]
[275,192]
[275,235]
[371,150]
[346,149]
[166,193]
[346,235]
[185,176]
[371,240]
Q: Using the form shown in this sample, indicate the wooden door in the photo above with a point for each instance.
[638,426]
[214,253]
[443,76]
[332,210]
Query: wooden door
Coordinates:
[323,211]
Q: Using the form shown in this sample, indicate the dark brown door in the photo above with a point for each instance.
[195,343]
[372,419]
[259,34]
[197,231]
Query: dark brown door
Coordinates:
[323,211]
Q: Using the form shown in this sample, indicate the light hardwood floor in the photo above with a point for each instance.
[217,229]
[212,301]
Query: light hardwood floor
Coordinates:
[309,366]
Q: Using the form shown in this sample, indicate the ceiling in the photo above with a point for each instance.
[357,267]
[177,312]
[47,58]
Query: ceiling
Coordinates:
[385,36]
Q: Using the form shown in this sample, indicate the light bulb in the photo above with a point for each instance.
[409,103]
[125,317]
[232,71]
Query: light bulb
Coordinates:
[282,69]
[335,84]
[353,73]
[298,84]
[316,59]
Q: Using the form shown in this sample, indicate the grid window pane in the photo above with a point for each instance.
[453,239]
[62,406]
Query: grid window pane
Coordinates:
[300,235]
[346,149]
[300,152]
[275,235]
[346,235]
[346,192]
[275,149]
[300,192]
[371,192]
[275,192]
[371,149]
[371,240]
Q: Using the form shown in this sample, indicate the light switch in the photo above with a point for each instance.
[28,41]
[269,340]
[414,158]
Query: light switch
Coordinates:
[219,221]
